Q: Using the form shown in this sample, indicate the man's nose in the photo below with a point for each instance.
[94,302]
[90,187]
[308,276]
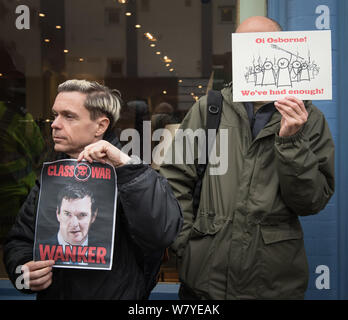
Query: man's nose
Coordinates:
[74,221]
[56,124]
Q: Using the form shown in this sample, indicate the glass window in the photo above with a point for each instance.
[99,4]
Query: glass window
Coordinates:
[226,14]
[162,55]
[112,16]
[188,3]
[145,5]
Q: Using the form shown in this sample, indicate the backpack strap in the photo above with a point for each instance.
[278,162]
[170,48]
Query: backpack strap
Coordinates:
[214,110]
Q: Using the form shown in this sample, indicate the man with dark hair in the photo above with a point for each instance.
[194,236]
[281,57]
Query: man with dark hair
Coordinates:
[148,215]
[76,212]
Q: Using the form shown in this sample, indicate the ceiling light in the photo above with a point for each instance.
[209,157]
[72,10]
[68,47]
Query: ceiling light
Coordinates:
[200,87]
[58,27]
[171,70]
[128,14]
[42,14]
[168,64]
[180,81]
[81,59]
[152,45]
[66,50]
[138,26]
[1,74]
[158,52]
[149,35]
[122,1]
[47,40]
[164,92]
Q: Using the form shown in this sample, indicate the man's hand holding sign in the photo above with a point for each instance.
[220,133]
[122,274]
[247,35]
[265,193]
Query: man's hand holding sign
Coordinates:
[104,152]
[39,274]
[294,115]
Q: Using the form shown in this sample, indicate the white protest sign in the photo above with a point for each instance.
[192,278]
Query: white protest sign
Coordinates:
[270,65]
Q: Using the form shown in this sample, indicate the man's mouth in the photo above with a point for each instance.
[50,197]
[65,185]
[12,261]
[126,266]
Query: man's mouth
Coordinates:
[58,138]
[75,232]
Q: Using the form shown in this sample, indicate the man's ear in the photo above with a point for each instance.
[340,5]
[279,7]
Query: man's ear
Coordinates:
[57,214]
[94,216]
[103,123]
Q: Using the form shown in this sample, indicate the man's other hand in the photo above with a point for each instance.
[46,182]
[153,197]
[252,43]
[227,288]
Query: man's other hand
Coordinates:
[39,274]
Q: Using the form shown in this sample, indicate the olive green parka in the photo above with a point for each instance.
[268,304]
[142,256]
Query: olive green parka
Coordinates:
[246,241]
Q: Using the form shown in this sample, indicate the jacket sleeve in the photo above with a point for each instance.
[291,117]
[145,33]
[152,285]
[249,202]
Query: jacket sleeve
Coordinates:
[182,175]
[19,244]
[305,164]
[152,213]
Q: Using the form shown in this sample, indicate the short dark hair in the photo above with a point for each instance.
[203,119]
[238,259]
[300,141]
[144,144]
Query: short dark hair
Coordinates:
[73,192]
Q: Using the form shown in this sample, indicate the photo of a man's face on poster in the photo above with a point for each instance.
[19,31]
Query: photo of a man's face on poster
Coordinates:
[76,215]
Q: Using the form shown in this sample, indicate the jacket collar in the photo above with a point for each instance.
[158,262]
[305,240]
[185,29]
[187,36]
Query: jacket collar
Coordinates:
[273,125]
[270,128]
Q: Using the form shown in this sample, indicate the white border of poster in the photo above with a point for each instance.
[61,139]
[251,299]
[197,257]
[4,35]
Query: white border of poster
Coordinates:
[268,66]
[100,181]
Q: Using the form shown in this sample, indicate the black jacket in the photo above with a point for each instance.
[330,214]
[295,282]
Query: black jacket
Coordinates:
[148,220]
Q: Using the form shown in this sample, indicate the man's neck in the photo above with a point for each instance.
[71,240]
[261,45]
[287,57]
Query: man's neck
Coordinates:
[64,243]
[258,104]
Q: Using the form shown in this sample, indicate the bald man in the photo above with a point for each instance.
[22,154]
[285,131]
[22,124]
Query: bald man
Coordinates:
[258,24]
[245,241]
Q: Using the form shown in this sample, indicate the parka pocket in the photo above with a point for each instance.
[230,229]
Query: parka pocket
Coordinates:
[272,234]
[197,256]
[284,267]
[206,224]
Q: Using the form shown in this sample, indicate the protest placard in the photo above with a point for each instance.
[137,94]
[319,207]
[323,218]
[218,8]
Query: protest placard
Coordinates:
[76,214]
[268,66]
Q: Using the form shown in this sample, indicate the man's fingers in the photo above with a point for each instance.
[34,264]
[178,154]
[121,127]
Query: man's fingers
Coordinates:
[95,151]
[291,108]
[281,111]
[286,111]
[100,156]
[42,283]
[295,100]
[80,157]
[295,104]
[104,152]
[40,273]
[35,265]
